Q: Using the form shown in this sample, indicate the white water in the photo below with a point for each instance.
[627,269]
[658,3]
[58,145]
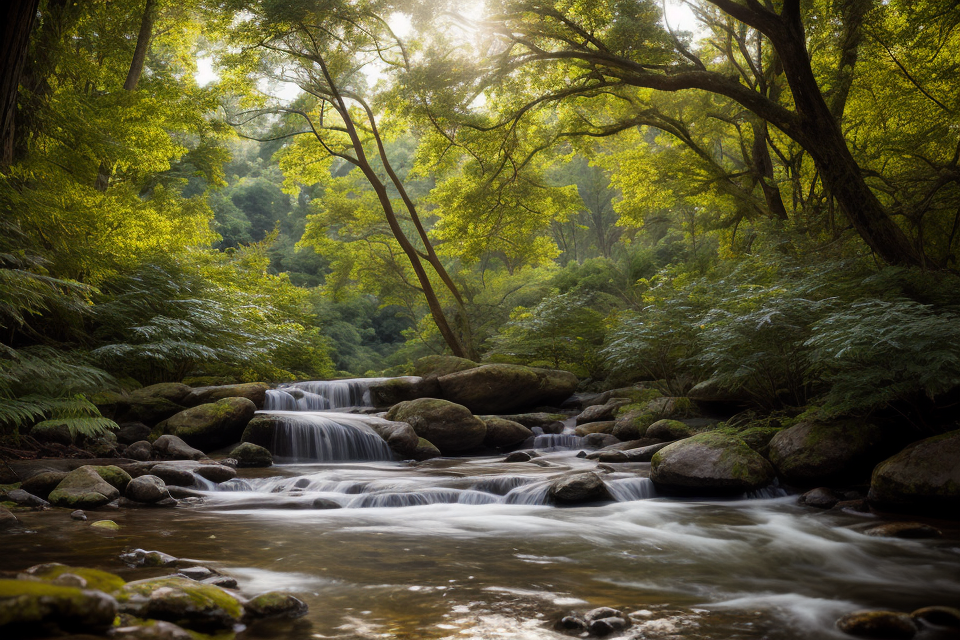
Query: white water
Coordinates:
[302,435]
[321,395]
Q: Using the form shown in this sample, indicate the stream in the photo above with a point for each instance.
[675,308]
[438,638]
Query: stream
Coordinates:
[469,548]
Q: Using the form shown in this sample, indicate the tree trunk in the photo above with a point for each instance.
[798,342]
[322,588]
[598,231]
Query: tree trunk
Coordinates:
[18,18]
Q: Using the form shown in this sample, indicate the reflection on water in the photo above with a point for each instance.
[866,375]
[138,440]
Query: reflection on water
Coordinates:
[495,568]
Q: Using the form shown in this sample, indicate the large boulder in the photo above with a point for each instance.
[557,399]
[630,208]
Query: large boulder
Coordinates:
[602,412]
[147,489]
[261,430]
[579,488]
[400,436]
[668,430]
[248,454]
[255,392]
[185,602]
[214,425]
[170,447]
[437,366]
[499,388]
[83,488]
[709,464]
[449,426]
[812,454]
[504,433]
[924,477]
[393,390]
[32,605]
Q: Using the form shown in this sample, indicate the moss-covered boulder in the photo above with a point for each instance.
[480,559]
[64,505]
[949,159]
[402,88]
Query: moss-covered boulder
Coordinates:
[255,392]
[668,430]
[632,424]
[190,604]
[400,436]
[261,430]
[214,425]
[449,426]
[709,464]
[924,477]
[393,390]
[248,454]
[175,392]
[150,411]
[116,476]
[425,450]
[41,608]
[437,366]
[82,577]
[505,433]
[83,488]
[499,388]
[812,454]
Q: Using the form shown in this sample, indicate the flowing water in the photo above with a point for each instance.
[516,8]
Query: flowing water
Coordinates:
[465,548]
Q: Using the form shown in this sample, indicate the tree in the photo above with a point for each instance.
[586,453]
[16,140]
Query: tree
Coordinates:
[17,17]
[619,50]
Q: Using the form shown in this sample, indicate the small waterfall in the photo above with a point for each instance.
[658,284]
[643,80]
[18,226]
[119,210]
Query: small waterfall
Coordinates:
[421,497]
[630,489]
[322,395]
[323,438]
[533,493]
[553,442]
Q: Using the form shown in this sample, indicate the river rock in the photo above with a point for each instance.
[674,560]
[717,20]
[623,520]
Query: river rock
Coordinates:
[820,498]
[83,488]
[448,426]
[43,483]
[545,421]
[52,432]
[30,604]
[78,515]
[499,388]
[668,430]
[924,477]
[947,617]
[909,530]
[174,475]
[193,605]
[812,453]
[633,424]
[599,440]
[504,433]
[579,488]
[709,464]
[273,604]
[255,392]
[213,425]
[131,432]
[216,473]
[197,573]
[7,519]
[393,390]
[878,624]
[151,630]
[602,412]
[595,427]
[248,455]
[148,489]
[519,456]
[169,447]
[442,365]
[260,430]
[140,451]
[400,436]
[144,558]
[172,391]
[325,503]
[24,499]
[425,450]
[114,475]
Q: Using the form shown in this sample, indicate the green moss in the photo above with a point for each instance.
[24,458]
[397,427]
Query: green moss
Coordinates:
[28,601]
[201,595]
[114,476]
[9,487]
[95,578]
[110,525]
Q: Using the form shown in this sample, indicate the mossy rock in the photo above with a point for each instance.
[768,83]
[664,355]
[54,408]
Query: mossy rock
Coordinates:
[605,426]
[709,464]
[812,454]
[393,390]
[668,430]
[175,392]
[248,454]
[83,488]
[110,403]
[449,426]
[275,604]
[505,433]
[923,478]
[500,388]
[261,430]
[214,425]
[425,450]
[540,419]
[255,392]
[757,435]
[43,483]
[150,411]
[633,425]
[190,604]
[117,477]
[32,606]
[94,578]
[442,365]
[52,431]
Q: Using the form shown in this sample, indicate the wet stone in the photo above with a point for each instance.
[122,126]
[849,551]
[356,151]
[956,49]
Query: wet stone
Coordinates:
[197,573]
[910,530]
[173,475]
[573,623]
[273,604]
[224,582]
[143,558]
[140,451]
[24,499]
[606,626]
[878,624]
[820,498]
[147,489]
[216,472]
[518,456]
[947,617]
[325,503]
[78,515]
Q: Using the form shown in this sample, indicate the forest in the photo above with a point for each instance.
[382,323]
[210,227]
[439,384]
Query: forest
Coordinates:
[519,319]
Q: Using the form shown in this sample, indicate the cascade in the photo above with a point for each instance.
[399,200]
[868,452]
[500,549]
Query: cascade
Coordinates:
[303,436]
[322,395]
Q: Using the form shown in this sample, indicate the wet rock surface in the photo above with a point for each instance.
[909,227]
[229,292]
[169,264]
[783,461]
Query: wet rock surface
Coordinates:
[709,464]
[878,624]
